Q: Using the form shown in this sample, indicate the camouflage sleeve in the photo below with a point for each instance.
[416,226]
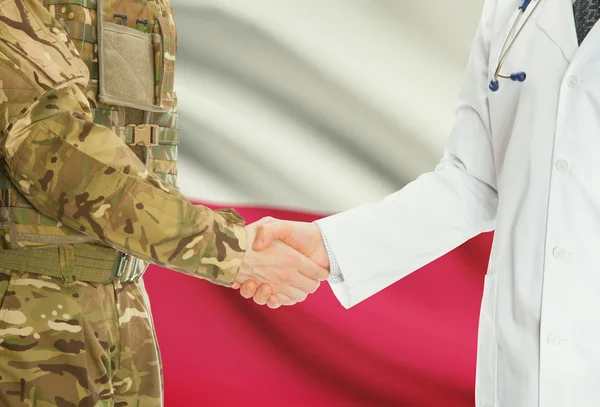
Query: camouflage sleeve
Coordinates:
[81,173]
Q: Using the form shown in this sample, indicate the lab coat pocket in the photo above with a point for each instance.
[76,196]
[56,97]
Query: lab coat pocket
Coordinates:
[485,389]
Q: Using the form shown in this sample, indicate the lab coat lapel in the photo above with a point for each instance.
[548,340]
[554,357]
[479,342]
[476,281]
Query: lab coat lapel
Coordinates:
[556,20]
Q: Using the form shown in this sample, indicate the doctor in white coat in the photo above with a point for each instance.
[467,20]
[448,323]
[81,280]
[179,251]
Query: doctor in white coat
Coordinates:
[524,160]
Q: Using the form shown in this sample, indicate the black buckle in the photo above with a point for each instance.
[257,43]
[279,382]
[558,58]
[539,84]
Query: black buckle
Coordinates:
[121,16]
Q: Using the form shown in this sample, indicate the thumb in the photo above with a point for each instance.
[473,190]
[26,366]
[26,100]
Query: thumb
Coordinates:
[266,233]
[264,238]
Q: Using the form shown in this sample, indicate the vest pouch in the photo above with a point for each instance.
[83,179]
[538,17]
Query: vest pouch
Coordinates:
[126,65]
[126,62]
[165,49]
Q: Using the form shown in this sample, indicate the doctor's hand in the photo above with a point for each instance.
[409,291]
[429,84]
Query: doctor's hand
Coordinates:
[284,274]
[304,237]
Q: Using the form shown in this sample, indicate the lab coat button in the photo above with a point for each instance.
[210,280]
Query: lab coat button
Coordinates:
[559,252]
[562,165]
[553,339]
[573,81]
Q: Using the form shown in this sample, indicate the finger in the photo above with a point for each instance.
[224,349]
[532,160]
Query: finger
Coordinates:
[248,289]
[270,231]
[315,272]
[303,283]
[262,294]
[273,302]
[236,285]
[310,269]
[294,294]
[284,300]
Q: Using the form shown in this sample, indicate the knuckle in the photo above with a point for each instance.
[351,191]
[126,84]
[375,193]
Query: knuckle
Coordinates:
[247,293]
[287,275]
[284,300]
[315,274]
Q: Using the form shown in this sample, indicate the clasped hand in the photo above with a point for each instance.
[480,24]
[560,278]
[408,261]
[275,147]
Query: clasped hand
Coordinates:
[284,262]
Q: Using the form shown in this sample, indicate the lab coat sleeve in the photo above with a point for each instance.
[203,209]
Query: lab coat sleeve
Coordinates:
[378,244]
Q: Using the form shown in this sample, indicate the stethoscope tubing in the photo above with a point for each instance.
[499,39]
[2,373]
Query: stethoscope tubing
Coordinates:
[507,45]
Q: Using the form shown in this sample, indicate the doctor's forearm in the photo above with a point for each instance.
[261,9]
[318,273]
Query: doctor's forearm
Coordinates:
[378,244]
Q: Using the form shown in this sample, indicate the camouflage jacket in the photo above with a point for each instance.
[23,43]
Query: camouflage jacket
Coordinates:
[71,167]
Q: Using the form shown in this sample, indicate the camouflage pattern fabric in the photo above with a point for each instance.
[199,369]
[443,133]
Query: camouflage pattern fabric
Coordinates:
[80,345]
[80,173]
[165,63]
[66,178]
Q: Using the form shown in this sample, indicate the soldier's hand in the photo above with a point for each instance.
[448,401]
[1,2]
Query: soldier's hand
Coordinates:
[278,274]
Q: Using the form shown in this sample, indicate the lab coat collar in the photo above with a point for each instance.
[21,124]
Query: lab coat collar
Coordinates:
[556,20]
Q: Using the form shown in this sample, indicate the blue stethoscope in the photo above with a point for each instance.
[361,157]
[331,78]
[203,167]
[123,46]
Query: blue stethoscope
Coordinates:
[507,45]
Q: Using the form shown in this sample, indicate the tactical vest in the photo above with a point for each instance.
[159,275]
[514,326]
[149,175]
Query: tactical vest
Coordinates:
[129,47]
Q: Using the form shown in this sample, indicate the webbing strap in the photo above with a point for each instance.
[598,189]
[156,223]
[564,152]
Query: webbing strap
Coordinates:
[66,256]
[90,4]
[164,135]
[83,262]
[93,68]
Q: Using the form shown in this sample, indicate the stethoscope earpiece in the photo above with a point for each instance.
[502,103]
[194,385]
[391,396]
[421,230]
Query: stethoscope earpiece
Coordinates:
[518,76]
[494,85]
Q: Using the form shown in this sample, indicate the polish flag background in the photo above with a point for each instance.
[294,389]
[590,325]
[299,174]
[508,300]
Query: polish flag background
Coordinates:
[297,109]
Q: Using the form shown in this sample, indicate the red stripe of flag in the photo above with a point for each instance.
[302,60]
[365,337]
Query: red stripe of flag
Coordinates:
[414,344]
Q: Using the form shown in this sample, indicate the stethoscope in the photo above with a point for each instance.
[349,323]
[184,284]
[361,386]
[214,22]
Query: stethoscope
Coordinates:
[507,45]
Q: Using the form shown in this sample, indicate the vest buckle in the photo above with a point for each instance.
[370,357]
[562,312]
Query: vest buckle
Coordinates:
[144,134]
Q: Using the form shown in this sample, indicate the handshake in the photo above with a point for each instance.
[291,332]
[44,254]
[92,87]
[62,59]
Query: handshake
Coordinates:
[284,262]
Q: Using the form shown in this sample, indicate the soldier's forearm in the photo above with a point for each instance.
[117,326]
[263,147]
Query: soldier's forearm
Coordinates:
[86,177]
[81,173]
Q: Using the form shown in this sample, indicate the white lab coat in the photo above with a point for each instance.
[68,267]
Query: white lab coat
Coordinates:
[524,161]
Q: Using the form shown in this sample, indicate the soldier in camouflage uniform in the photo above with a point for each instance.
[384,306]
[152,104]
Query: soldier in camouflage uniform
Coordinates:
[88,197]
